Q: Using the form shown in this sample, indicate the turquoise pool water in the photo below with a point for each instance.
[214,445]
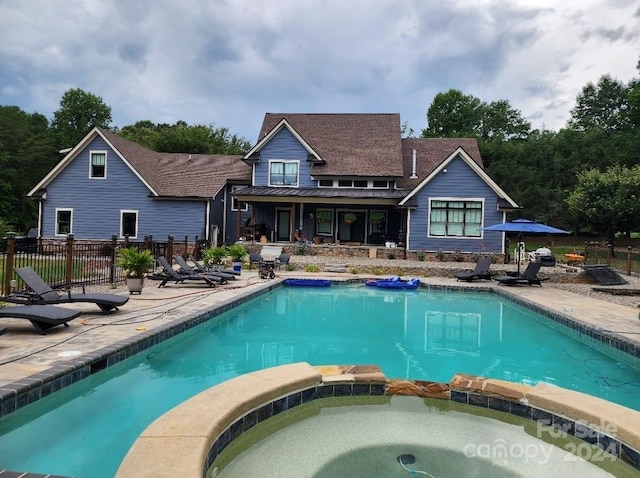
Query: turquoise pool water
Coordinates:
[86,429]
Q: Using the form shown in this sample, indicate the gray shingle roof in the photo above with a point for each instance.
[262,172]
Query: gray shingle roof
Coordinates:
[321,193]
[350,144]
[181,174]
[431,152]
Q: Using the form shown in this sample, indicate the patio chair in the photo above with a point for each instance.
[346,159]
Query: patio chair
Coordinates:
[528,277]
[255,258]
[481,271]
[217,276]
[169,274]
[42,317]
[283,260]
[39,292]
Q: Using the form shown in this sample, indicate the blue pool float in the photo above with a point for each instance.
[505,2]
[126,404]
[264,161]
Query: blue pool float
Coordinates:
[394,283]
[307,282]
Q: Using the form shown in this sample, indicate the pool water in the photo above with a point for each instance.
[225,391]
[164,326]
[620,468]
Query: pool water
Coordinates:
[403,437]
[86,429]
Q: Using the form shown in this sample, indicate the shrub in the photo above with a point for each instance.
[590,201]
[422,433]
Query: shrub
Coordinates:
[311,268]
[377,271]
[440,255]
[214,255]
[354,270]
[301,248]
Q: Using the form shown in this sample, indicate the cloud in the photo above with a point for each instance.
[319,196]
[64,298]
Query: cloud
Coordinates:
[229,62]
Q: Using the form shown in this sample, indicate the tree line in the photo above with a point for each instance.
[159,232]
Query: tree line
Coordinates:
[584,177]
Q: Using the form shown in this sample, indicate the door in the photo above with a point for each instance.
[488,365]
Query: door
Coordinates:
[283,225]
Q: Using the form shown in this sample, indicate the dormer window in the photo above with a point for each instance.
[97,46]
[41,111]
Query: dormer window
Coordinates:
[98,164]
[283,173]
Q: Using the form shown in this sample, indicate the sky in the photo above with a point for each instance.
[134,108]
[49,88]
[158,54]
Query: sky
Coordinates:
[228,62]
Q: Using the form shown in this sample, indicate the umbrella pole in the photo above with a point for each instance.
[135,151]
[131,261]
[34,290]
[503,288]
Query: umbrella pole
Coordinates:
[519,251]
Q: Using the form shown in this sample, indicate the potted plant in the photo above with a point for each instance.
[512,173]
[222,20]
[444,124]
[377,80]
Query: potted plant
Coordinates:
[237,253]
[323,216]
[377,217]
[350,218]
[135,263]
[213,256]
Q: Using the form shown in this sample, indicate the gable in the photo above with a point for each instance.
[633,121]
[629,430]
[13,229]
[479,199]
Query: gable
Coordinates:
[433,170]
[341,144]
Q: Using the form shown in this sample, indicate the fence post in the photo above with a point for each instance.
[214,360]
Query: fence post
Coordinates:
[186,245]
[69,269]
[8,267]
[126,240]
[170,249]
[112,271]
[628,260]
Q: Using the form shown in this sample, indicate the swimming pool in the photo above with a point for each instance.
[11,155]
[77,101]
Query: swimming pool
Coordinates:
[409,334]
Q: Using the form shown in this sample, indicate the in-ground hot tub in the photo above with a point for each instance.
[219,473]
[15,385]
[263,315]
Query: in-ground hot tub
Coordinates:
[401,436]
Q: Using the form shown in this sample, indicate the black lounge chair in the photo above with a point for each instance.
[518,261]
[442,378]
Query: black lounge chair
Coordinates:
[217,276]
[39,292]
[481,271]
[2,330]
[215,269]
[169,274]
[42,317]
[528,277]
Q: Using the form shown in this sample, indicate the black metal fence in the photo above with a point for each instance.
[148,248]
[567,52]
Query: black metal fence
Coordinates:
[71,263]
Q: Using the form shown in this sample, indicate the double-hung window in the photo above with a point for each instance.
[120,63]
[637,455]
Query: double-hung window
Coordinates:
[283,173]
[64,221]
[455,218]
[98,164]
[129,224]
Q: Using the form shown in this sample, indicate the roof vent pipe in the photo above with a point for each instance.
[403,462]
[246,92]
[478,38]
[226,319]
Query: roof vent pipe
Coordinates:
[413,170]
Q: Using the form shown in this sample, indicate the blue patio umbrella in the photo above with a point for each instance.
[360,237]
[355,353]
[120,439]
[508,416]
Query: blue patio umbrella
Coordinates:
[524,226]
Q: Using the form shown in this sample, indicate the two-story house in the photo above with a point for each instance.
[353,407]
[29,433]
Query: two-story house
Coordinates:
[352,179]
[329,178]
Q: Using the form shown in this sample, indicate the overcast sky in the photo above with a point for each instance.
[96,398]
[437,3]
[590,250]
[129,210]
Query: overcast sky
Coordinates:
[229,62]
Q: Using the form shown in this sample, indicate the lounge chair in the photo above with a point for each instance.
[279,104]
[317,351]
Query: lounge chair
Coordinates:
[2,330]
[41,293]
[528,277]
[215,268]
[42,317]
[481,271]
[217,276]
[169,274]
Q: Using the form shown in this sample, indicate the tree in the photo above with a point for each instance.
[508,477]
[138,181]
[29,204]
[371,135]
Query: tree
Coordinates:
[604,106]
[79,112]
[182,138]
[607,202]
[456,115]
[453,115]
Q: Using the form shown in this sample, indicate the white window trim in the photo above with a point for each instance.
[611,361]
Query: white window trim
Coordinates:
[234,200]
[457,199]
[271,161]
[59,210]
[129,211]
[334,183]
[91,153]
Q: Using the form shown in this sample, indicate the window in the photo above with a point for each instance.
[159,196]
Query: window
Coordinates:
[455,218]
[98,166]
[129,224]
[345,183]
[324,221]
[283,173]
[380,184]
[64,219]
[325,183]
[234,200]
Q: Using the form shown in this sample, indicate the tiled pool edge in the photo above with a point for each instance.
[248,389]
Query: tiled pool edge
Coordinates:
[152,454]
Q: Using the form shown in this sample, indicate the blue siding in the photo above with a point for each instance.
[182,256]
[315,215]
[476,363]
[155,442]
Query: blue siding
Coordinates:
[284,146]
[96,203]
[460,181]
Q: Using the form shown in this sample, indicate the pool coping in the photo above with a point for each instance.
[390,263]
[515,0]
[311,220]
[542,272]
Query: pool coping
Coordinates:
[187,439]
